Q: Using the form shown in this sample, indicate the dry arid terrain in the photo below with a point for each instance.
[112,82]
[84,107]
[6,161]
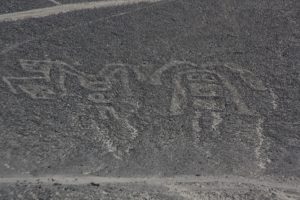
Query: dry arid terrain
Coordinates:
[149,99]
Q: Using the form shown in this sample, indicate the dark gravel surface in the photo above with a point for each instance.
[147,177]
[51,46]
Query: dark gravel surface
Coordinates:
[147,90]
[8,6]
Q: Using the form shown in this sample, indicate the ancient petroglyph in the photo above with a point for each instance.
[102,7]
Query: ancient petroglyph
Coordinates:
[41,92]
[258,149]
[43,70]
[24,83]
[217,120]
[206,94]
[207,91]
[274,99]
[48,80]
[210,76]
[205,88]
[117,142]
[248,77]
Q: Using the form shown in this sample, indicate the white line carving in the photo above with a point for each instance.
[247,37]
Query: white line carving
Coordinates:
[90,82]
[49,82]
[112,141]
[203,91]
[207,89]
[217,120]
[274,99]
[258,149]
[199,89]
